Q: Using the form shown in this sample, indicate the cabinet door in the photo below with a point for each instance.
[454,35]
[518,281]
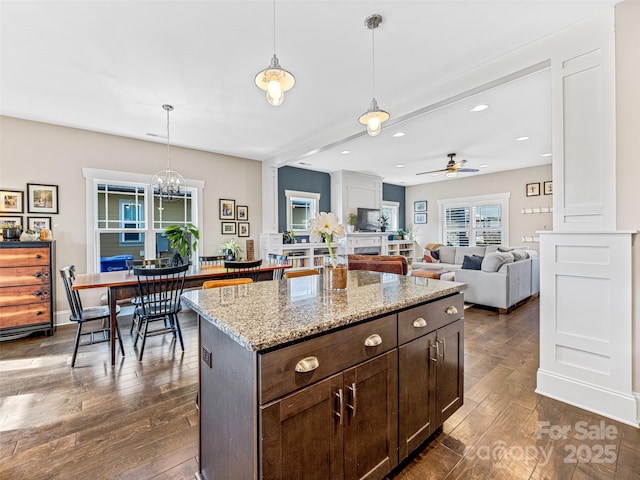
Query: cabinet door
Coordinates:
[417,389]
[450,371]
[301,435]
[371,429]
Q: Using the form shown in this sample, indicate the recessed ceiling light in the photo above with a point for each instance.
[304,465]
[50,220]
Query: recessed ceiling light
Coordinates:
[484,165]
[304,163]
[400,165]
[479,108]
[435,174]
[546,155]
[399,134]
[522,139]
[345,152]
[452,174]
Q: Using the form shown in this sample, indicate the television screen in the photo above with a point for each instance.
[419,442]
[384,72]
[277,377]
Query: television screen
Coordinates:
[368,220]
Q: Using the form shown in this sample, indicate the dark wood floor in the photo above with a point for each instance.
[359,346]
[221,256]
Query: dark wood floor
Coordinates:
[139,421]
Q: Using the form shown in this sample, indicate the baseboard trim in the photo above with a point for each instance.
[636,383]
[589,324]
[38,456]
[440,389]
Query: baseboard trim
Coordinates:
[615,405]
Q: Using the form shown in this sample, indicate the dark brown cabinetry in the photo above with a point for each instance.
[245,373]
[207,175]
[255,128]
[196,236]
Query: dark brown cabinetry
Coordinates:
[27,287]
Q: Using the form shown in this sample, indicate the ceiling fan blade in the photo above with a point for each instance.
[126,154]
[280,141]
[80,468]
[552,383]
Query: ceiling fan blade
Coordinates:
[433,171]
[459,164]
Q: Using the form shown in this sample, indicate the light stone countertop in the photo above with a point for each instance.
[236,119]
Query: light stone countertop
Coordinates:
[267,314]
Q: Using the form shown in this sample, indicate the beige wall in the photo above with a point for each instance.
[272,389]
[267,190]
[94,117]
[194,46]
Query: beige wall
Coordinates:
[628,146]
[513,182]
[32,152]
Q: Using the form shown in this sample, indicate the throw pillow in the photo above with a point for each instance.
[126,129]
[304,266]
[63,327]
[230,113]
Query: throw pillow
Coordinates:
[519,254]
[435,254]
[472,262]
[493,261]
[427,258]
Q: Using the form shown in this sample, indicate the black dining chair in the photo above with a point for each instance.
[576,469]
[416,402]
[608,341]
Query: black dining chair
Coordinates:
[243,269]
[82,315]
[151,263]
[212,260]
[159,291]
[275,259]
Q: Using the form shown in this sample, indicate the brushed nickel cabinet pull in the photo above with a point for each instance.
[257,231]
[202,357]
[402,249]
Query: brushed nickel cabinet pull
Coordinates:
[373,340]
[354,399]
[436,345]
[444,348]
[451,310]
[419,322]
[307,364]
[340,412]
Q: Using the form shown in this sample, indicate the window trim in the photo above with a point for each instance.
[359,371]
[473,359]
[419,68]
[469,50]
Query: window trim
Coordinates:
[94,176]
[395,220]
[288,194]
[476,200]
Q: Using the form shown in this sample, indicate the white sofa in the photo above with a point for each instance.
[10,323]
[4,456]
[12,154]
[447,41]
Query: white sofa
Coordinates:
[501,283]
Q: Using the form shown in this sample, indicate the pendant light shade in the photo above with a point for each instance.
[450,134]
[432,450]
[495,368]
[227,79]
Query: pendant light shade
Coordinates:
[274,79]
[374,116]
[168,184]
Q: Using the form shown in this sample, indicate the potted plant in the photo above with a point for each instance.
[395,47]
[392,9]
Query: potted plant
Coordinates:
[401,233]
[11,231]
[288,236]
[384,222]
[352,219]
[29,236]
[231,249]
[183,238]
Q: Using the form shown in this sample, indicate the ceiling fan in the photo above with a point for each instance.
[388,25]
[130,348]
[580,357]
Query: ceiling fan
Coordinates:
[452,167]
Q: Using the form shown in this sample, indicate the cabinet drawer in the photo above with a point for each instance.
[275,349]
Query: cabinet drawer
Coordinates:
[333,352]
[19,315]
[38,275]
[24,295]
[426,318]
[15,257]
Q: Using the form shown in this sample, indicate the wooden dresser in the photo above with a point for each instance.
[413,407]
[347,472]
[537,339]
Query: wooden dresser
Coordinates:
[27,287]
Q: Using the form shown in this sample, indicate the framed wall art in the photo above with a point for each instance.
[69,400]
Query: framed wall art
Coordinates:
[548,188]
[533,189]
[420,206]
[10,220]
[242,213]
[243,229]
[42,198]
[38,223]
[227,209]
[11,201]
[228,228]
[419,218]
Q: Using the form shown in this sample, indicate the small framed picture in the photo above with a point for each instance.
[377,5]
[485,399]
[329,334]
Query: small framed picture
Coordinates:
[42,198]
[228,228]
[419,218]
[242,213]
[243,229]
[533,189]
[227,210]
[420,206]
[11,201]
[38,223]
[10,221]
[548,188]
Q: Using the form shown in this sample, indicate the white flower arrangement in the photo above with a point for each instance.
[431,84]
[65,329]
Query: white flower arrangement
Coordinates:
[325,225]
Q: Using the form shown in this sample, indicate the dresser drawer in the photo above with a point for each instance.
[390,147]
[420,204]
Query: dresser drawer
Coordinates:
[24,276]
[420,320]
[16,257]
[323,356]
[25,294]
[19,315]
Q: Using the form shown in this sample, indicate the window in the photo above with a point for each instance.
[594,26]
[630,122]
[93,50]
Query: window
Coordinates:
[475,221]
[125,221]
[301,208]
[390,209]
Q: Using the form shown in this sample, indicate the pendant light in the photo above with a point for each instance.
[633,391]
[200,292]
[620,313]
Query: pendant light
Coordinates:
[373,117]
[168,184]
[274,79]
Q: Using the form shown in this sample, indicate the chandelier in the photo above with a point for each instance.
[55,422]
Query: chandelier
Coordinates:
[374,116]
[168,184]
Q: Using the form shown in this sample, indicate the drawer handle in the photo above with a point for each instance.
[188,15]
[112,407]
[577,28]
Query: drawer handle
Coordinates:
[38,256]
[437,345]
[37,293]
[307,364]
[451,310]
[420,323]
[37,275]
[38,313]
[373,340]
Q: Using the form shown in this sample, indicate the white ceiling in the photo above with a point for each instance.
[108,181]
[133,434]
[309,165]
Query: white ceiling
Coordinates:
[108,66]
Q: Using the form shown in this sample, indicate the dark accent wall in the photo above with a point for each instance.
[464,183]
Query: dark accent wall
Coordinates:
[292,178]
[395,193]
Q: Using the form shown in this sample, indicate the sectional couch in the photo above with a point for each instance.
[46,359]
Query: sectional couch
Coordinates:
[506,275]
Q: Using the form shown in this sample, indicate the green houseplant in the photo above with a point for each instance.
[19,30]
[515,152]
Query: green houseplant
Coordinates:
[11,231]
[183,238]
[231,249]
[384,223]
[352,220]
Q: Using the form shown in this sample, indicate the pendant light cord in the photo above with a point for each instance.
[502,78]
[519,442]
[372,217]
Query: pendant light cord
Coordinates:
[168,143]
[274,27]
[373,60]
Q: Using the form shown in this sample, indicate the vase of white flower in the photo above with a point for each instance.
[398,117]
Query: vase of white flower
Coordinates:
[326,226]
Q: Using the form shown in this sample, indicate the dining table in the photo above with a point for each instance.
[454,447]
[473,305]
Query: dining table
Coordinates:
[123,284]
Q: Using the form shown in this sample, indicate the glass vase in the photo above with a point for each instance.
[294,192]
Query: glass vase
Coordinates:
[335,278]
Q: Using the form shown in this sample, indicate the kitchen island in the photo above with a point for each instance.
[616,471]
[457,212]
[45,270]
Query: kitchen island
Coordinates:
[299,382]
